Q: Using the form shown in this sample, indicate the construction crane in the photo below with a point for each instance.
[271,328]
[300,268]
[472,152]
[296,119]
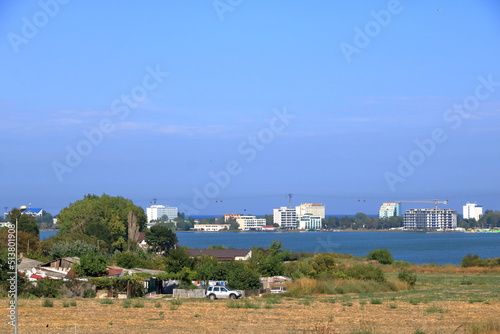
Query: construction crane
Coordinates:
[435,201]
[289,200]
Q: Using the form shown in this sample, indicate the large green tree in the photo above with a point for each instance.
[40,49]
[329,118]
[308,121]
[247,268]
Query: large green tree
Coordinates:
[103,217]
[26,223]
[161,239]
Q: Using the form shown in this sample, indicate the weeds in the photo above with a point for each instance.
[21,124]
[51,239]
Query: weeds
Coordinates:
[245,304]
[434,309]
[47,303]
[138,304]
[106,302]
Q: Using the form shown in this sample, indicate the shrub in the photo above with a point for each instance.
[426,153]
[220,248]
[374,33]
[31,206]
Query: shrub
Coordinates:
[89,293]
[470,260]
[408,277]
[381,255]
[46,288]
[376,301]
[366,272]
[47,303]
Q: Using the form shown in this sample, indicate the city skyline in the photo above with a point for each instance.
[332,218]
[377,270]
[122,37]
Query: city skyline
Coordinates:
[224,107]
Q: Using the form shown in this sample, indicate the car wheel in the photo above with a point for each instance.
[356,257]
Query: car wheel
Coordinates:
[232,296]
[212,296]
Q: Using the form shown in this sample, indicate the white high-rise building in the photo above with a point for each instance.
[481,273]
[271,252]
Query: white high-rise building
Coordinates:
[285,217]
[314,209]
[472,210]
[249,223]
[430,219]
[157,212]
[389,210]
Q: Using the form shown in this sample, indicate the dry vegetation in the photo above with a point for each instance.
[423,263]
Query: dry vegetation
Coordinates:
[325,314]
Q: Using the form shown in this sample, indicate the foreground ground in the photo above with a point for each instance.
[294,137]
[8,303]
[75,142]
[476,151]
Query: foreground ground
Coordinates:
[441,303]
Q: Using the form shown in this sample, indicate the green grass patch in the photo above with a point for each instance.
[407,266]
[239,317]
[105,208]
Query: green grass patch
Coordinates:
[127,303]
[106,301]
[242,304]
[176,302]
[375,301]
[434,309]
[47,303]
[138,304]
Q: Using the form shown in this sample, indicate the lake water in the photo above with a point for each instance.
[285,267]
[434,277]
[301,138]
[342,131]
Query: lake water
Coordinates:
[415,247]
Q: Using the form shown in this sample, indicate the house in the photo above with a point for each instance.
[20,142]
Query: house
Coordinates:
[33,212]
[62,264]
[223,254]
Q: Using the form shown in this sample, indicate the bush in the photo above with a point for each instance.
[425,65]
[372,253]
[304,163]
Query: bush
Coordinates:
[89,293]
[381,255]
[408,277]
[470,260]
[46,288]
[366,272]
[47,303]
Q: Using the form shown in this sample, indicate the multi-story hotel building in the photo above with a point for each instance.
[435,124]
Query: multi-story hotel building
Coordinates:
[285,217]
[430,219]
[389,210]
[314,209]
[249,223]
[472,210]
[157,212]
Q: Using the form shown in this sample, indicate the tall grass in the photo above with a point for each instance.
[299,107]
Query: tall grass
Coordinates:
[310,286]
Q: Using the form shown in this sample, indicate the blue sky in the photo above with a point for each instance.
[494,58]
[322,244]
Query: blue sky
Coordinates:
[227,106]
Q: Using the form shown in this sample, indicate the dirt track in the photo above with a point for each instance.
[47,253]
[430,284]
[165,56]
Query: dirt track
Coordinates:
[314,315]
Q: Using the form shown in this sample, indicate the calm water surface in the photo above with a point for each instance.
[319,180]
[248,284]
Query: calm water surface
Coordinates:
[415,247]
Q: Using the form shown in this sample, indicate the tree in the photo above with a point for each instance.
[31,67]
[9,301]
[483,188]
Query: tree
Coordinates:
[241,277]
[92,265]
[26,223]
[323,264]
[161,239]
[381,255]
[177,259]
[45,220]
[76,248]
[103,217]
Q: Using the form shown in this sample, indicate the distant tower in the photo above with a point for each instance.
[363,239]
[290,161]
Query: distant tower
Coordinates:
[289,201]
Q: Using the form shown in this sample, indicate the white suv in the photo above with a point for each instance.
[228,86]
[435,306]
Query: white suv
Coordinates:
[214,292]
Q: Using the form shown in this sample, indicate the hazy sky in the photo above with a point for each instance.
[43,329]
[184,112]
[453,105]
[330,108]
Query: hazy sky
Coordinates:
[228,105]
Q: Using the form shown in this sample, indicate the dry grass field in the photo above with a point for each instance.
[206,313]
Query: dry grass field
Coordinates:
[325,314]
[441,303]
